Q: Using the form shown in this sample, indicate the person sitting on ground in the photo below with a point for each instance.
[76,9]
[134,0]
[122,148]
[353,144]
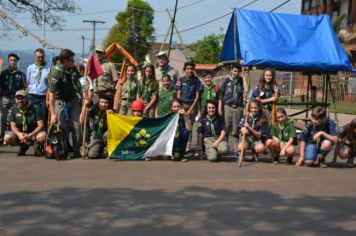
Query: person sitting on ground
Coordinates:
[255,130]
[98,126]
[165,96]
[183,131]
[317,136]
[347,149]
[283,137]
[211,132]
[26,123]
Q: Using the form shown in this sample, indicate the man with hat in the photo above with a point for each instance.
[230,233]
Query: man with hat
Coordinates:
[26,123]
[63,97]
[164,68]
[11,80]
[105,84]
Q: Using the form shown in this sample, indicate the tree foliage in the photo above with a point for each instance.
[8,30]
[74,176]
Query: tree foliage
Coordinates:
[133,30]
[208,49]
[34,7]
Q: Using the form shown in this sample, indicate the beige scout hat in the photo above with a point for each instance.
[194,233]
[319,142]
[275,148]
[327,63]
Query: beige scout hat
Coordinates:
[21,93]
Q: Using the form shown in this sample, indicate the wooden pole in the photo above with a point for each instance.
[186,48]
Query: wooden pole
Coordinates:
[85,113]
[242,150]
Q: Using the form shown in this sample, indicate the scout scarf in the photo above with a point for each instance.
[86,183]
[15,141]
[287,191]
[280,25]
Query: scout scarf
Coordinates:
[39,69]
[236,86]
[317,129]
[100,129]
[146,88]
[212,127]
[253,121]
[129,80]
[210,93]
[280,131]
[23,110]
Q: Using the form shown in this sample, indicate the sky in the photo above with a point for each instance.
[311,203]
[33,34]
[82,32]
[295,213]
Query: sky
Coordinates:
[190,14]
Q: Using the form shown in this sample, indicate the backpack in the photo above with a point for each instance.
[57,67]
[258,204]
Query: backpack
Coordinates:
[56,143]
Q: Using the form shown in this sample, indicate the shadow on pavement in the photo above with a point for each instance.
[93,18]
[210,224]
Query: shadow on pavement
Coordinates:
[191,211]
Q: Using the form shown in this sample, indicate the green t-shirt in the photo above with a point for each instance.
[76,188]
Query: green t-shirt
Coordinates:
[165,99]
[25,119]
[147,91]
[209,93]
[284,133]
[64,83]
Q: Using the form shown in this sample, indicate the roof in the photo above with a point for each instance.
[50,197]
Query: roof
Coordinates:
[284,42]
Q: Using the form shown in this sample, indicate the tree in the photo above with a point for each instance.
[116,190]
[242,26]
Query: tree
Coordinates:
[208,49]
[133,30]
[34,7]
[346,36]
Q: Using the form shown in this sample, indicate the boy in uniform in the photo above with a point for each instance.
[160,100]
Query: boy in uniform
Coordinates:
[317,137]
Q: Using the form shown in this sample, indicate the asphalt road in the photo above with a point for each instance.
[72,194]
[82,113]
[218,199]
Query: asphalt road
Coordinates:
[108,197]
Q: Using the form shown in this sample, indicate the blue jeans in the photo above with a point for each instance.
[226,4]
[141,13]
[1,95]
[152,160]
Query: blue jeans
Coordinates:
[180,143]
[311,152]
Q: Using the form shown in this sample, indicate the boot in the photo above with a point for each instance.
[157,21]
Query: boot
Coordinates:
[23,149]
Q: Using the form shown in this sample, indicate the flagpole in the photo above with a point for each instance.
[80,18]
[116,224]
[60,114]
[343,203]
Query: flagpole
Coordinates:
[85,112]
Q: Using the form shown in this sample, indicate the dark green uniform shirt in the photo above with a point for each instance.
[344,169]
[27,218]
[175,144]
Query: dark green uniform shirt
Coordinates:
[11,81]
[209,93]
[284,133]
[147,91]
[165,99]
[25,119]
[64,83]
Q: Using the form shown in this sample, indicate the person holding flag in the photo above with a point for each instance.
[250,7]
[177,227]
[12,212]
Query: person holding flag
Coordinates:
[64,99]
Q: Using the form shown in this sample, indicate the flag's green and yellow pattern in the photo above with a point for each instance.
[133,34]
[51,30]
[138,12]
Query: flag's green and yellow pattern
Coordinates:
[131,138]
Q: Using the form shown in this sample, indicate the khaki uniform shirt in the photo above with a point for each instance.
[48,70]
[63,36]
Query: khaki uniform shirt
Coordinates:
[106,83]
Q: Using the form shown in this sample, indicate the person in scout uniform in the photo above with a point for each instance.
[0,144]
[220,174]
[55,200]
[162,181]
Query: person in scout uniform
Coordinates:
[27,126]
[148,91]
[211,132]
[64,99]
[37,81]
[164,68]
[11,80]
[165,96]
[184,129]
[317,136]
[255,130]
[347,149]
[126,92]
[97,125]
[210,92]
[231,102]
[283,137]
[267,91]
[105,84]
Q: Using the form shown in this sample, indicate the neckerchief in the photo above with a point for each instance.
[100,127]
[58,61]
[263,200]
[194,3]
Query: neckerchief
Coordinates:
[39,69]
[280,131]
[212,127]
[209,88]
[24,119]
[253,120]
[163,70]
[146,87]
[129,81]
[317,129]
[235,81]
[100,129]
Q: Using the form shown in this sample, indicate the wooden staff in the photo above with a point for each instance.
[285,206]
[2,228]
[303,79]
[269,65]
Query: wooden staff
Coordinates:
[273,115]
[242,150]
[85,112]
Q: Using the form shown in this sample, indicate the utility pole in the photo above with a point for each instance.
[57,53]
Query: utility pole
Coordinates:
[133,29]
[94,22]
[83,47]
[173,23]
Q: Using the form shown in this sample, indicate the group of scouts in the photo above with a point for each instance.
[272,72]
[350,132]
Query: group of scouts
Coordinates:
[59,92]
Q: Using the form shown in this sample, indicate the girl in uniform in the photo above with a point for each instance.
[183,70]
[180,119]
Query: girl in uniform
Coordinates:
[282,137]
[149,90]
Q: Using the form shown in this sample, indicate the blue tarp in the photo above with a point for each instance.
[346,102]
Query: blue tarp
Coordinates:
[284,42]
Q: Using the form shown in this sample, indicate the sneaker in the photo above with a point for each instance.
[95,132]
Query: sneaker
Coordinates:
[184,159]
[275,159]
[350,162]
[290,161]
[255,157]
[38,150]
[322,163]
[148,159]
[23,149]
